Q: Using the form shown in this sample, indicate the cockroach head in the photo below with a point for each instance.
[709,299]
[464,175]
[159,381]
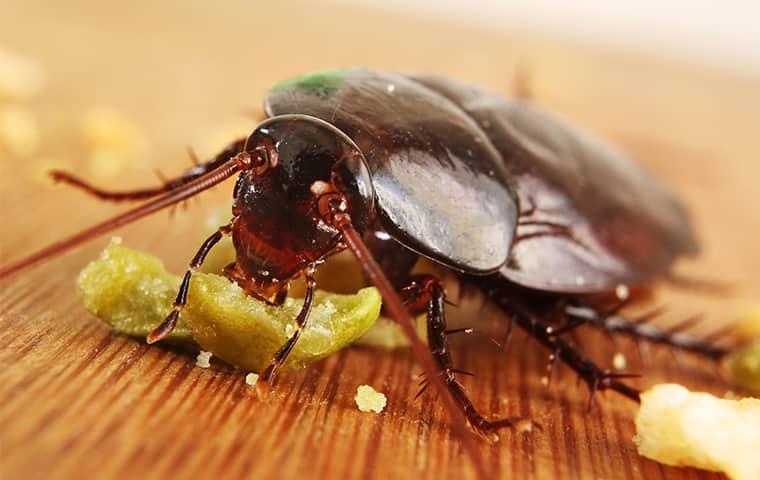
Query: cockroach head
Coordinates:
[283,207]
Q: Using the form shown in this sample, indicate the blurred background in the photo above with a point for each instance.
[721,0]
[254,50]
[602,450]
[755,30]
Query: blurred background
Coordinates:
[723,34]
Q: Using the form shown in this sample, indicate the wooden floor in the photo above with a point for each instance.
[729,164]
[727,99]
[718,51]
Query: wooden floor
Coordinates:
[77,401]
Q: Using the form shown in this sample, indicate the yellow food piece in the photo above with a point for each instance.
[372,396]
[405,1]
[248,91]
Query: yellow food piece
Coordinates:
[748,327]
[370,400]
[246,332]
[132,292]
[681,428]
[745,366]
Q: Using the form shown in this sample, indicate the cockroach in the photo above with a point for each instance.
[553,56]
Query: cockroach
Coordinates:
[538,214]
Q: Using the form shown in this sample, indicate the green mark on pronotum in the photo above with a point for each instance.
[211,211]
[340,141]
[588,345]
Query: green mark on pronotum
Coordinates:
[318,84]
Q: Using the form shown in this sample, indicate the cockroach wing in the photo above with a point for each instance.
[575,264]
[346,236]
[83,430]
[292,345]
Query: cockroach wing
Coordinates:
[441,187]
[590,218]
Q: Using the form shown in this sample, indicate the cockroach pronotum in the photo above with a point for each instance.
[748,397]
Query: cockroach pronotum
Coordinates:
[534,212]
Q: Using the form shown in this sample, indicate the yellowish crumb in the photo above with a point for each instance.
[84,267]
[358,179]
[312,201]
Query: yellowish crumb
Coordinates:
[370,400]
[744,365]
[19,134]
[113,141]
[618,361]
[21,78]
[748,327]
[682,428]
[203,359]
[251,379]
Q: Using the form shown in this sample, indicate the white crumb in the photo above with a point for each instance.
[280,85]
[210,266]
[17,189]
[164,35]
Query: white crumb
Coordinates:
[618,361]
[251,379]
[370,400]
[203,359]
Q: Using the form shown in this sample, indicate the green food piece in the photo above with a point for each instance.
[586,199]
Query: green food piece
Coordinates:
[745,366]
[132,292]
[320,84]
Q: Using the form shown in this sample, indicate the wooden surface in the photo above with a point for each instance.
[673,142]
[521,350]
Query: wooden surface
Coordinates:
[77,401]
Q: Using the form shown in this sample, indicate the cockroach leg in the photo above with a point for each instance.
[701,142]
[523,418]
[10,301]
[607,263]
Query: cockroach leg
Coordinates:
[640,328]
[395,306]
[167,325]
[282,354]
[426,292]
[594,376]
[142,194]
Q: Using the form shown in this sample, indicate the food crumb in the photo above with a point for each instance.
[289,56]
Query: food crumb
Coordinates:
[19,133]
[114,142]
[682,428]
[370,400]
[748,327]
[524,425]
[21,78]
[203,359]
[744,365]
[618,361]
[251,379]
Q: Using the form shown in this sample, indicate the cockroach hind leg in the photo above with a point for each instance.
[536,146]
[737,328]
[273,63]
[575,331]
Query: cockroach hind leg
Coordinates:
[595,377]
[640,328]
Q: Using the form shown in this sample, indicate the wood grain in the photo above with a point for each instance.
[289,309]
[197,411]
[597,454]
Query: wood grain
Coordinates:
[78,401]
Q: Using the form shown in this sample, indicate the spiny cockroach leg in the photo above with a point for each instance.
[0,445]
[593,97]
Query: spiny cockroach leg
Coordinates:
[282,354]
[427,291]
[594,376]
[167,325]
[639,328]
[145,193]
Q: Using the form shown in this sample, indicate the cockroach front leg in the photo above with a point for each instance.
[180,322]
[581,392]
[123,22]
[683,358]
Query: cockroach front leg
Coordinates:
[167,326]
[426,293]
[146,193]
[282,354]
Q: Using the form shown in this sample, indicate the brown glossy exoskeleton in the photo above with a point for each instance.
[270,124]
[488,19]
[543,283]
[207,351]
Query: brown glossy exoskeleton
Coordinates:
[538,214]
